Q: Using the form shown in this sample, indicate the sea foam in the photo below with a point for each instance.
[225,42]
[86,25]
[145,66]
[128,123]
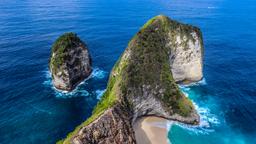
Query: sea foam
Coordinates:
[201,82]
[99,93]
[207,119]
[97,73]
[211,7]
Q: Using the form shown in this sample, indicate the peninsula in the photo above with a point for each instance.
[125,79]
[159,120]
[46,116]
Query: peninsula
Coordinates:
[143,82]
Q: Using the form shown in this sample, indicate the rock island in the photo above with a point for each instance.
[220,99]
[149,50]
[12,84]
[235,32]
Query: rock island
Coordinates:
[70,62]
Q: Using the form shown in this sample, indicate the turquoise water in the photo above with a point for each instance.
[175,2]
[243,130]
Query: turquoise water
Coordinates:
[32,111]
[213,127]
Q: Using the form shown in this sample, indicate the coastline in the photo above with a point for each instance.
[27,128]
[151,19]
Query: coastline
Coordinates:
[152,130]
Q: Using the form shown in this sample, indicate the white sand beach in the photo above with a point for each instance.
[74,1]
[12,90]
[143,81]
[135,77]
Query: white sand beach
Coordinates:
[151,130]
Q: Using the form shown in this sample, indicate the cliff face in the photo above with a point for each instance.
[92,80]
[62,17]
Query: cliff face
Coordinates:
[186,56]
[70,62]
[141,83]
[113,127]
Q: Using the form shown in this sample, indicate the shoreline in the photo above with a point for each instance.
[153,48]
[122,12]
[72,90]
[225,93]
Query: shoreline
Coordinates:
[152,129]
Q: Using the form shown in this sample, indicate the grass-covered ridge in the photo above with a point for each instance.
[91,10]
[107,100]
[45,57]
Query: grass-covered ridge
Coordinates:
[108,100]
[149,64]
[144,62]
[60,48]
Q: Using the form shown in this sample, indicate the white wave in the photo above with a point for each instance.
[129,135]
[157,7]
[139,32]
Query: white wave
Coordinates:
[96,74]
[211,7]
[184,87]
[201,82]
[75,93]
[169,124]
[207,119]
[99,93]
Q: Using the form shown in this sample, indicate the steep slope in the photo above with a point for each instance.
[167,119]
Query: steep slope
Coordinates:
[70,62]
[141,84]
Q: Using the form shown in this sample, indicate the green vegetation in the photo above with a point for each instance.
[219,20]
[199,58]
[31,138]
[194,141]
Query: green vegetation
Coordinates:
[148,23]
[147,64]
[60,142]
[61,47]
[108,100]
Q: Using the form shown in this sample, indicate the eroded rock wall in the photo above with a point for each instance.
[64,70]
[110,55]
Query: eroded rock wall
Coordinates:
[186,56]
[112,127]
[70,62]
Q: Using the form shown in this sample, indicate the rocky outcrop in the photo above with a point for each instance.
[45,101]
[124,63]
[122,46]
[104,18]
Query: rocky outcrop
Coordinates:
[142,84]
[186,56]
[112,127]
[70,62]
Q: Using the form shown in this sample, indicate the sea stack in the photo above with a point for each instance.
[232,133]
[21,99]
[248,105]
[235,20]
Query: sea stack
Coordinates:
[70,62]
[143,83]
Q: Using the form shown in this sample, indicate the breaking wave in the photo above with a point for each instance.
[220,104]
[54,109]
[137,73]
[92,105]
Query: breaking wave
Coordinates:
[207,121]
[97,73]
[99,93]
[201,82]
[207,118]
[212,7]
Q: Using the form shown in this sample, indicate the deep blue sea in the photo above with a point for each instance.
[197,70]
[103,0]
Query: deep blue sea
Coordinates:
[31,111]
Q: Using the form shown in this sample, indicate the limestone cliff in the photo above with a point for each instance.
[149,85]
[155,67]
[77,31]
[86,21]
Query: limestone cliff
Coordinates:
[141,83]
[70,62]
[186,56]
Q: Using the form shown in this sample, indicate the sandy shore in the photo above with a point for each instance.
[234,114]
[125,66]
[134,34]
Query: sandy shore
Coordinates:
[151,130]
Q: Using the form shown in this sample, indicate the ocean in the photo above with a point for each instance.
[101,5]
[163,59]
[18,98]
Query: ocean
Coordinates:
[32,111]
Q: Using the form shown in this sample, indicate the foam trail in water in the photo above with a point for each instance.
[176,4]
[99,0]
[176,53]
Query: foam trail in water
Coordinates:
[207,119]
[99,93]
[78,91]
[211,7]
[201,82]
[98,73]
